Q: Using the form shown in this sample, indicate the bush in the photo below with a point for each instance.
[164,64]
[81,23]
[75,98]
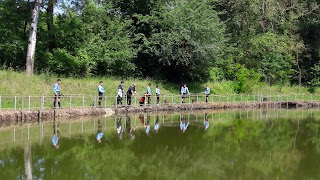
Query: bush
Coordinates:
[245,79]
[62,62]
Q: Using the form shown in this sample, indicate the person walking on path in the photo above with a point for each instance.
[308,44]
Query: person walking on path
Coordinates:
[158,94]
[131,91]
[184,91]
[207,92]
[100,92]
[149,93]
[56,92]
[120,93]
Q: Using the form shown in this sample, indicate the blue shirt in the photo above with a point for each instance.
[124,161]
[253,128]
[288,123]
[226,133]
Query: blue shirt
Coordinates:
[157,90]
[148,90]
[56,88]
[54,140]
[206,125]
[148,129]
[181,126]
[100,89]
[207,90]
[185,90]
[99,135]
[156,127]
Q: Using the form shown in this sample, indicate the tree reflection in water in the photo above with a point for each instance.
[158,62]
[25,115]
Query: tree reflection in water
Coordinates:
[234,148]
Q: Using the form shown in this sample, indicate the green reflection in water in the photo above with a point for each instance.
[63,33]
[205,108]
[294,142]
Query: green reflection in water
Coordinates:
[274,144]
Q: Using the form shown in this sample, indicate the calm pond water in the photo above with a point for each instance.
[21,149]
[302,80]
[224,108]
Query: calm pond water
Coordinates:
[247,144]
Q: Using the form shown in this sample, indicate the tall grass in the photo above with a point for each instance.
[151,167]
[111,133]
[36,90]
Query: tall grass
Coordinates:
[17,83]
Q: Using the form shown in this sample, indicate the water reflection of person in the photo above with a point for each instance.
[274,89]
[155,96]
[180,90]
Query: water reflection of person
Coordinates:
[147,125]
[55,137]
[119,128]
[99,132]
[206,122]
[157,125]
[130,130]
[183,124]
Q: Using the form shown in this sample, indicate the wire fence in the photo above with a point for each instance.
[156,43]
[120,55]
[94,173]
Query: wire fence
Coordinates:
[86,101]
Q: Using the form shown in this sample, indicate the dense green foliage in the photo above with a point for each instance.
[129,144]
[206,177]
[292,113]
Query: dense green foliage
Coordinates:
[244,41]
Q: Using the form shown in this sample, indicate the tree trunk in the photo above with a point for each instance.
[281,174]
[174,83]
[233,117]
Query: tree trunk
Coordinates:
[51,37]
[32,38]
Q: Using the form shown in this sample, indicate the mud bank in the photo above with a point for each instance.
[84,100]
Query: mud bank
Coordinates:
[199,106]
[30,116]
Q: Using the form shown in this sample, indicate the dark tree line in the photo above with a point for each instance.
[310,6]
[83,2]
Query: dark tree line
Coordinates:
[176,40]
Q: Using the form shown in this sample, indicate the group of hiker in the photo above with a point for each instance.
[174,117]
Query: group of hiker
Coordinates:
[130,92]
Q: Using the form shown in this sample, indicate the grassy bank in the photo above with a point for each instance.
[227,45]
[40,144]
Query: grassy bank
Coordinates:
[16,83]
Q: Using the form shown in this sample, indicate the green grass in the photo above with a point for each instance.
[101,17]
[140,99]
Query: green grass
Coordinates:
[18,84]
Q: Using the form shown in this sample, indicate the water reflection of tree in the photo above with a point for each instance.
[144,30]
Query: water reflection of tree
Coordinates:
[236,149]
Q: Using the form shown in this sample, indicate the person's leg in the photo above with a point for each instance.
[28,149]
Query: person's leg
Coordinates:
[149,99]
[183,96]
[158,99]
[118,100]
[129,100]
[55,101]
[59,101]
[100,98]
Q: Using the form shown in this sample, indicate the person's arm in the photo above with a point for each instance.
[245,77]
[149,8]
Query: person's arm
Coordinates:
[187,90]
[134,91]
[182,90]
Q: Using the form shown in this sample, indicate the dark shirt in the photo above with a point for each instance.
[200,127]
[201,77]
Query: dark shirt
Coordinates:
[130,90]
[120,87]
